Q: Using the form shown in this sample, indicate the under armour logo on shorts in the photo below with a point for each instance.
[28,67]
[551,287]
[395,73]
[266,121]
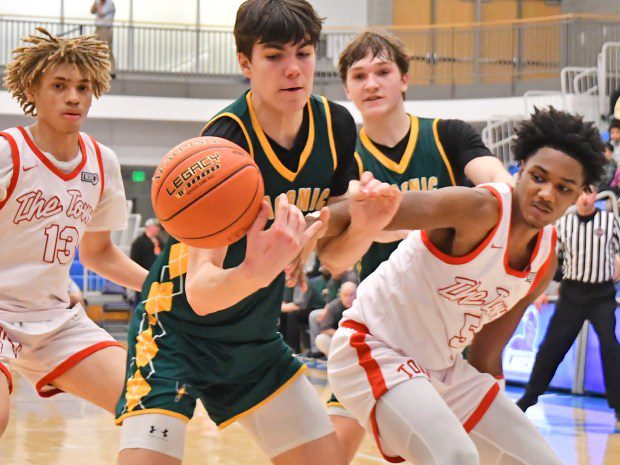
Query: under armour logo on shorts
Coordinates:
[160,433]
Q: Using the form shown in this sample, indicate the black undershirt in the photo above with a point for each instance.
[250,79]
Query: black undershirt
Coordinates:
[460,142]
[345,135]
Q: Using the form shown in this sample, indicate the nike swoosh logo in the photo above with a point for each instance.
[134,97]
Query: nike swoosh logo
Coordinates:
[493,246]
[24,169]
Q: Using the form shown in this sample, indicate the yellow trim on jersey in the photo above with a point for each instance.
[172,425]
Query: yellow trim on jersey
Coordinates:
[360,163]
[442,152]
[239,122]
[147,411]
[264,401]
[386,161]
[335,404]
[273,158]
[330,132]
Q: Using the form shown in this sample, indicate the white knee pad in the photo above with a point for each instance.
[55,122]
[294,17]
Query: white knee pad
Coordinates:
[154,431]
[294,417]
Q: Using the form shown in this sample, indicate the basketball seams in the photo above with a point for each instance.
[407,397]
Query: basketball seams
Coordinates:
[171,168]
[220,182]
[258,185]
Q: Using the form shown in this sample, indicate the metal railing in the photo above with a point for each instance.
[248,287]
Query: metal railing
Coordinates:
[479,53]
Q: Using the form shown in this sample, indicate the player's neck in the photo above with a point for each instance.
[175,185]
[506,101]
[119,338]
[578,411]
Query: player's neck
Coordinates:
[388,130]
[521,232]
[279,126]
[64,146]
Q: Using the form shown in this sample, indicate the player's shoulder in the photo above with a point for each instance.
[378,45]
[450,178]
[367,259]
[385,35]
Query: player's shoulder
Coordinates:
[337,109]
[109,159]
[449,127]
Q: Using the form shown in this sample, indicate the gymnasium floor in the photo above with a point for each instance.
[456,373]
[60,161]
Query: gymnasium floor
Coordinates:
[64,430]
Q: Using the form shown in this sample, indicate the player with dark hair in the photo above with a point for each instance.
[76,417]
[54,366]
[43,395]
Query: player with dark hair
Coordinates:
[208,328]
[479,258]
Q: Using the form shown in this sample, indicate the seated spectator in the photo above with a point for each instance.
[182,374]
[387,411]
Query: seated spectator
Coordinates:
[324,322]
[614,137]
[611,167]
[305,297]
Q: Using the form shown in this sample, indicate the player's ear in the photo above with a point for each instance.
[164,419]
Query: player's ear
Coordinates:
[404,82]
[245,64]
[30,93]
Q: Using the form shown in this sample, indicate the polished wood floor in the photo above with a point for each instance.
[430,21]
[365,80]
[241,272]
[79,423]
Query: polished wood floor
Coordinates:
[64,430]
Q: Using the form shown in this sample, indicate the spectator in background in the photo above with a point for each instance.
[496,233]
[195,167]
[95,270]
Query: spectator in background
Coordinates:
[147,246]
[608,181]
[587,292]
[324,322]
[614,137]
[105,11]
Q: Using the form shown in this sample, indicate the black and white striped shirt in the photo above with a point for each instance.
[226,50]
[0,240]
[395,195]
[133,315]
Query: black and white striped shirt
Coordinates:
[588,246]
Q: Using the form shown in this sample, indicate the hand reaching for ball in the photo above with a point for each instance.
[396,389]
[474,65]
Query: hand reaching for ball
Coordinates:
[269,251]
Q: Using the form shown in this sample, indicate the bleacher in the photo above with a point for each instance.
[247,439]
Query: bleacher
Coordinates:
[584,90]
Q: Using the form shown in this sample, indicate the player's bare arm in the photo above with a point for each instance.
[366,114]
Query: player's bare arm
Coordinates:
[360,218]
[211,288]
[487,169]
[99,254]
[445,214]
[485,352]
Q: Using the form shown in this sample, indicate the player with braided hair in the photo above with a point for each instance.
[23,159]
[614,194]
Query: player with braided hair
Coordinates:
[58,188]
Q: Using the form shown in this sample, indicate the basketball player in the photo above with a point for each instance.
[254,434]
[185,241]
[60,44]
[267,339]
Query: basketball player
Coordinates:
[395,362]
[58,188]
[208,328]
[404,150]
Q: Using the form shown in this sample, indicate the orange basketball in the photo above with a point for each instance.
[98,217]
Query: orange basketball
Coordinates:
[206,192]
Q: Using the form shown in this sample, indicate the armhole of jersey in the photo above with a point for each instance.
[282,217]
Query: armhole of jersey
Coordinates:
[100,163]
[452,260]
[330,131]
[442,151]
[15,174]
[239,122]
[360,164]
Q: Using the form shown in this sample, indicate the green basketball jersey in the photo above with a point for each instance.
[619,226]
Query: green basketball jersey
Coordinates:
[423,166]
[255,318]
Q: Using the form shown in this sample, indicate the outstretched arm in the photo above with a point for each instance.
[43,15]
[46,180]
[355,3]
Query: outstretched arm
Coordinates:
[485,352]
[450,207]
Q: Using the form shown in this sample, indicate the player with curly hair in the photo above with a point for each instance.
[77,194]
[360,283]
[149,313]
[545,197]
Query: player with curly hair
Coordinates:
[59,188]
[478,258]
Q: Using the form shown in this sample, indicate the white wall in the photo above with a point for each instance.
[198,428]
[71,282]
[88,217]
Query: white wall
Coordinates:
[213,12]
[142,129]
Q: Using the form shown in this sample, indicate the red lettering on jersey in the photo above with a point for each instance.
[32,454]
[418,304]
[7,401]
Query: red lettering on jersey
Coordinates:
[471,325]
[32,205]
[496,307]
[465,292]
[78,208]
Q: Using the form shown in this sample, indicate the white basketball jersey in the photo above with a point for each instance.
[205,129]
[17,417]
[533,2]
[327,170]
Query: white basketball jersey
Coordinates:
[43,218]
[429,305]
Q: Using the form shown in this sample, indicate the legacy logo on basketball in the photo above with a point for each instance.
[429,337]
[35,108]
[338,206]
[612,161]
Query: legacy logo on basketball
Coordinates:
[193,174]
[92,178]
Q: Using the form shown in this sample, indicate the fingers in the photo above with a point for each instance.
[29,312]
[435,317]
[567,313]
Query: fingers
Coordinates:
[282,205]
[261,219]
[309,233]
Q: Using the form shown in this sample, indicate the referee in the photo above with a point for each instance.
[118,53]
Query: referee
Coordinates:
[589,242]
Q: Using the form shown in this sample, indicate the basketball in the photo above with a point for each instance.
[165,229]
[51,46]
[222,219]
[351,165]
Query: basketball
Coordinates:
[206,192]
